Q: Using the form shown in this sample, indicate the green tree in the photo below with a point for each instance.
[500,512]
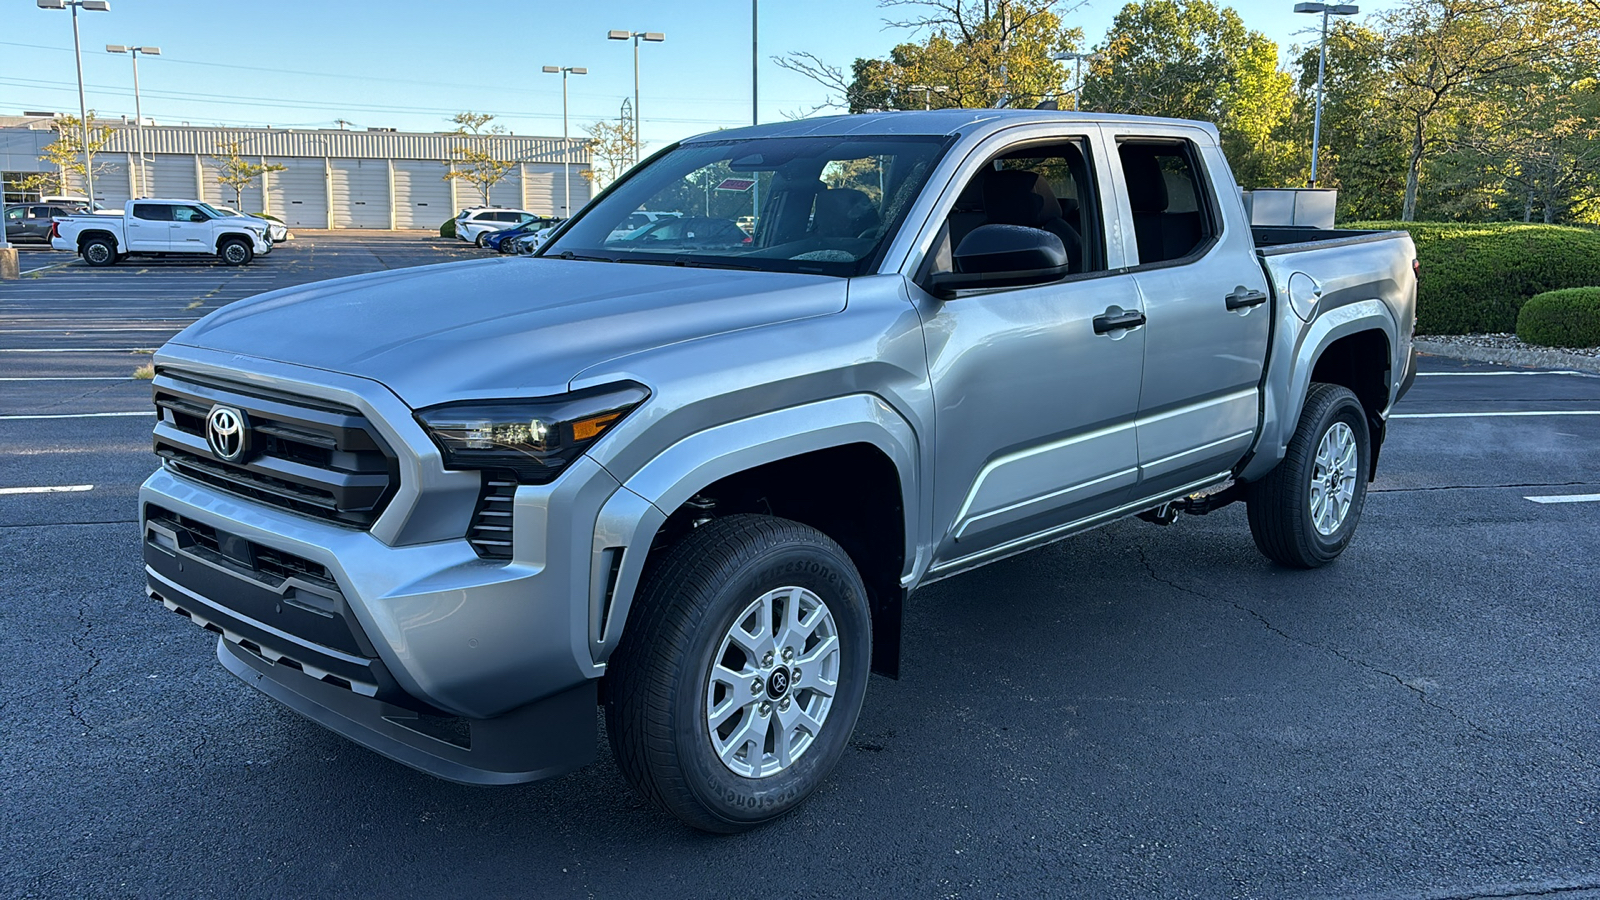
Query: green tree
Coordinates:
[970,54]
[66,151]
[611,149]
[1192,59]
[475,161]
[1363,145]
[238,173]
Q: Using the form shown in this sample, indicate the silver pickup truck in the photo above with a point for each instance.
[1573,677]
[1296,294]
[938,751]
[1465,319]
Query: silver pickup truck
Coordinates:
[691,474]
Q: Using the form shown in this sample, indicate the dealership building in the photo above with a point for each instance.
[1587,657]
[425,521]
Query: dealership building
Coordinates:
[379,178]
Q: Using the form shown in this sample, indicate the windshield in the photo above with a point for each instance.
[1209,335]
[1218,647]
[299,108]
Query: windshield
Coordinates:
[814,204]
[217,213]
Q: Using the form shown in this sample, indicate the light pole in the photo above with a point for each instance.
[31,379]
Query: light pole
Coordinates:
[928,91]
[77,49]
[1327,9]
[654,37]
[755,66]
[1078,59]
[566,144]
[138,109]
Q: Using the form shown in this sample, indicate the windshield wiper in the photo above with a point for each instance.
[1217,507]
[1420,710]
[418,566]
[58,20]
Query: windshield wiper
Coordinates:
[687,262]
[568,254]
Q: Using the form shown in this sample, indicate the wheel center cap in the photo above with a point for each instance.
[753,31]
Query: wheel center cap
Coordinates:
[778,682]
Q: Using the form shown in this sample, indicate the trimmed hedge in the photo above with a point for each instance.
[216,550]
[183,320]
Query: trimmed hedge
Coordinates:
[1569,318]
[448,229]
[1476,277]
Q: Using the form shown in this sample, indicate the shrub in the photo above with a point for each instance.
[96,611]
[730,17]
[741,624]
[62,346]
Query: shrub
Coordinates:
[448,229]
[1569,318]
[1476,277]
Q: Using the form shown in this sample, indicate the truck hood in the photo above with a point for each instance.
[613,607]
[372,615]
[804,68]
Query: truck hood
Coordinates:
[500,328]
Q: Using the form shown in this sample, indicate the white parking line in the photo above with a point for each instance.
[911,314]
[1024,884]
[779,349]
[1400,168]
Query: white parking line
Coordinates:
[1497,374]
[109,415]
[1490,415]
[66,378]
[1567,498]
[77,350]
[53,489]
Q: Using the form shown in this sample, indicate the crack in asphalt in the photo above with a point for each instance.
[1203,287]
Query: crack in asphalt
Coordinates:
[1422,695]
[1512,893]
[82,642]
[1478,487]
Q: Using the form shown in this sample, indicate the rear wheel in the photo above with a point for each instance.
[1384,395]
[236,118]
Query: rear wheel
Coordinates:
[483,239]
[235,252]
[741,673]
[1305,511]
[99,251]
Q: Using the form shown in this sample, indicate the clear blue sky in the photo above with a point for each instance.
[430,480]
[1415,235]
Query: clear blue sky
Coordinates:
[410,64]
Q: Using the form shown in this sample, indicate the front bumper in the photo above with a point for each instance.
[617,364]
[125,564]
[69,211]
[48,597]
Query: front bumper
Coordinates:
[399,634]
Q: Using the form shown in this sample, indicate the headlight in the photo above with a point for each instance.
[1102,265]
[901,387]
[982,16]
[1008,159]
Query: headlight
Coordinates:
[536,439]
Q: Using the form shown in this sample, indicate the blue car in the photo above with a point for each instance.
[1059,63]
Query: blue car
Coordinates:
[499,240]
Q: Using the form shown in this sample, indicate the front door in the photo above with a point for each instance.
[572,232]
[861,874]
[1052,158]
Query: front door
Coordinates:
[1206,302]
[191,230]
[1035,397]
[147,228]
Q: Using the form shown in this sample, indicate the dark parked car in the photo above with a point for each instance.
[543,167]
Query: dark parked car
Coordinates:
[498,240]
[31,221]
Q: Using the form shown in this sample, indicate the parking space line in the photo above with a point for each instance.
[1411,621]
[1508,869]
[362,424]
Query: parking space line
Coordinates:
[1568,372]
[1491,415]
[77,349]
[52,489]
[1567,498]
[65,378]
[107,415]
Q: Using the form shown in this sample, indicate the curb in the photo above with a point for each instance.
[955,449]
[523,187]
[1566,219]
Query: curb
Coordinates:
[1541,359]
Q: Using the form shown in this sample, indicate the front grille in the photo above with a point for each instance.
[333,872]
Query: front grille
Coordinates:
[308,456]
[490,532]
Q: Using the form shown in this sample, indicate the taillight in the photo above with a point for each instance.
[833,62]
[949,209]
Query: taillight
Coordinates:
[1416,269]
[55,230]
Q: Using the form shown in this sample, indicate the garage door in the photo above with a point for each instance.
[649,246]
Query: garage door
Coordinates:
[545,184]
[111,181]
[360,193]
[421,195]
[298,195]
[219,193]
[172,177]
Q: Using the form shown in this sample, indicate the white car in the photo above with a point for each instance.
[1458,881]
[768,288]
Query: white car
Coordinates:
[150,227]
[637,220]
[276,230]
[477,223]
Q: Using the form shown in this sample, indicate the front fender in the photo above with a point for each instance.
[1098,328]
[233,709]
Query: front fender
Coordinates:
[1288,376]
[628,522]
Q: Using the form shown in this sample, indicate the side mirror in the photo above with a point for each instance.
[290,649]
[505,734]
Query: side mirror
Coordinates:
[994,256]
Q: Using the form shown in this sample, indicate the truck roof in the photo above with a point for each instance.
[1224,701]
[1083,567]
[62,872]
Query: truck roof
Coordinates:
[963,122]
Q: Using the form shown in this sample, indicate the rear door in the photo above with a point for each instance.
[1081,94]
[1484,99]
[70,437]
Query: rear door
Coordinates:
[148,228]
[1206,306]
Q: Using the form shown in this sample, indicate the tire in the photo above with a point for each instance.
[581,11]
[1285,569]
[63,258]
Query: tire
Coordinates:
[235,252]
[662,682]
[1290,526]
[99,251]
[483,239]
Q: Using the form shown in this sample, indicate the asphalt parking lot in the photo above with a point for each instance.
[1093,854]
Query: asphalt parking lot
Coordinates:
[1137,712]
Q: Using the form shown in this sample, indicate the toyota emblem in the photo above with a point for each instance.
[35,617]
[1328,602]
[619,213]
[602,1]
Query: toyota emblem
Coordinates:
[227,433]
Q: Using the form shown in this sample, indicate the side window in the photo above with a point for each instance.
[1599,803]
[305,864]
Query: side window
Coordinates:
[15,213]
[38,212]
[152,212]
[187,214]
[1171,212]
[1050,187]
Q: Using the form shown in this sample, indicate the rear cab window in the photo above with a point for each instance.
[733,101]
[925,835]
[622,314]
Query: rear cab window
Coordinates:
[1174,214]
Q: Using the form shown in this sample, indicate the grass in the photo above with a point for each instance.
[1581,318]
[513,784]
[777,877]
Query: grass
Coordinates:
[145,372]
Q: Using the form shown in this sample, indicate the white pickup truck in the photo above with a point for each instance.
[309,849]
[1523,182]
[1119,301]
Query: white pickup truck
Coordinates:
[149,227]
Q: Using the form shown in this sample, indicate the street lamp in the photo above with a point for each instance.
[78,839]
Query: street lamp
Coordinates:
[566,144]
[77,49]
[654,37]
[1327,9]
[928,91]
[1078,59]
[138,110]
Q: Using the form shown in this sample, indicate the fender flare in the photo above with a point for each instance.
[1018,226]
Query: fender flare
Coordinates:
[1282,403]
[85,236]
[628,521]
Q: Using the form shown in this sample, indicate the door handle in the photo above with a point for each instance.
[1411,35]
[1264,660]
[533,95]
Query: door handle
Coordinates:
[1244,298]
[1117,319]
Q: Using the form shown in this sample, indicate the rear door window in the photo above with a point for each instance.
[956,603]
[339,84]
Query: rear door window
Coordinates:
[1172,210]
[152,212]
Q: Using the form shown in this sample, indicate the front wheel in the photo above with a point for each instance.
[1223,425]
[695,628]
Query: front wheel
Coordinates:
[741,673]
[1305,511]
[236,253]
